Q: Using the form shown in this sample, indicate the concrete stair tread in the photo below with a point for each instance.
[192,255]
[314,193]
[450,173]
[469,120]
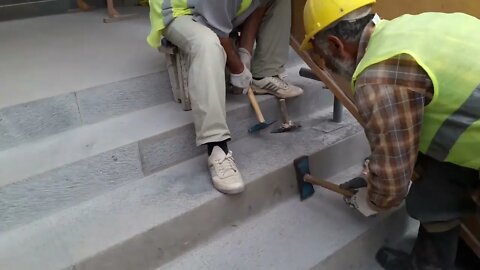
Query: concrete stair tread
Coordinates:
[42,155]
[294,235]
[78,233]
[81,57]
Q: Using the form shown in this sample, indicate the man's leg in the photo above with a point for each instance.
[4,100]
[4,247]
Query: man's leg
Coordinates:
[271,52]
[439,199]
[206,85]
[436,250]
[432,251]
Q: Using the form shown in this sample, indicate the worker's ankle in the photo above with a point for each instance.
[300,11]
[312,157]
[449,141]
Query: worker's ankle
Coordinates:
[222,144]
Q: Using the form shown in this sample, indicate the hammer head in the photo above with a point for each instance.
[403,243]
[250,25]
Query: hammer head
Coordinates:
[302,167]
[260,126]
[286,127]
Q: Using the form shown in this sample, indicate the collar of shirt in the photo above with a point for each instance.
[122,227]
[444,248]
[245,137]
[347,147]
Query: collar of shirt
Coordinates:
[365,38]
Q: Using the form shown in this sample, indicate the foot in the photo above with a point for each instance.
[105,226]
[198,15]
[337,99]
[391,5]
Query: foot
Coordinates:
[225,176]
[392,259]
[276,86]
[83,6]
[113,13]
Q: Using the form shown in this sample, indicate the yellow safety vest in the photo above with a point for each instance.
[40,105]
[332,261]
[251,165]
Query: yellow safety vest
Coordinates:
[163,12]
[447,47]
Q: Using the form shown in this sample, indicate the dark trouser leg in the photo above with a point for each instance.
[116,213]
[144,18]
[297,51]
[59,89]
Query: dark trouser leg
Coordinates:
[439,200]
[273,41]
[435,250]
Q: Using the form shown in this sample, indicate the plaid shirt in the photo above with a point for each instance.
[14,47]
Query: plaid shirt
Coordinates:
[390,97]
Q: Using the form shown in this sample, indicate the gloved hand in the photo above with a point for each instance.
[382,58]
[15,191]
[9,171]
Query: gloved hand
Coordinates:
[359,200]
[359,181]
[241,80]
[245,57]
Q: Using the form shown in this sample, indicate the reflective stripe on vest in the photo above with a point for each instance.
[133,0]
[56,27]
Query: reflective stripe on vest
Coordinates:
[244,6]
[446,48]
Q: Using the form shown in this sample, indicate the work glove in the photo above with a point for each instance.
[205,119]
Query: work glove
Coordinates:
[242,80]
[359,200]
[359,181]
[245,57]
[359,187]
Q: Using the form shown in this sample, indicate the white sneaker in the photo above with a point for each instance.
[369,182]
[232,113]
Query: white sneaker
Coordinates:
[276,86]
[225,176]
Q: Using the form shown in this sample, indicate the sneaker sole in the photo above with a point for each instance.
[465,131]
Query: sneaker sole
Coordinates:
[231,191]
[261,91]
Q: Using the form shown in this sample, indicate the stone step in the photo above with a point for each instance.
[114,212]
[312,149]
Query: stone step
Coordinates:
[35,120]
[38,119]
[40,178]
[18,9]
[41,117]
[81,139]
[66,53]
[146,223]
[42,155]
[319,233]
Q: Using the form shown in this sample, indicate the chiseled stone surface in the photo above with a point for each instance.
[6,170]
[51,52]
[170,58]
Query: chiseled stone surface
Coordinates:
[125,96]
[42,195]
[37,119]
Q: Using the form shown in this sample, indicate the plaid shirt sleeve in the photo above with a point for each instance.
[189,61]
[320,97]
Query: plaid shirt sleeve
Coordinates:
[390,97]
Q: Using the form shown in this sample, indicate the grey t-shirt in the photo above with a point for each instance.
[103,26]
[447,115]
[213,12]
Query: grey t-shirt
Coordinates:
[221,15]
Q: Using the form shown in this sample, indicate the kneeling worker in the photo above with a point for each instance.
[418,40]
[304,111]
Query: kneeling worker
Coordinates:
[416,84]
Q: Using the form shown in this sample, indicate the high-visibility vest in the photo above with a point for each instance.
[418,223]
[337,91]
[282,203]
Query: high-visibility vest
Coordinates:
[447,47]
[163,12]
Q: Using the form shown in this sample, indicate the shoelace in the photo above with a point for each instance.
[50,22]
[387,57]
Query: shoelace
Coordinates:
[226,164]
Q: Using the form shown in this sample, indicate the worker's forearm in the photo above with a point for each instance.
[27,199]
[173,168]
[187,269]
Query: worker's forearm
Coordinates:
[234,63]
[392,117]
[250,28]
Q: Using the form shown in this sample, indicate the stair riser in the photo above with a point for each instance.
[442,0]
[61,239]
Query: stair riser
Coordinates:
[11,10]
[167,241]
[41,118]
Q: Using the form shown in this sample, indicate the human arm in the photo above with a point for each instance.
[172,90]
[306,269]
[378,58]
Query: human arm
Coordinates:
[392,116]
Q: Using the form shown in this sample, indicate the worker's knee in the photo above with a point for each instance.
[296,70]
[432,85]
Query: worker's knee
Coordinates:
[209,45]
[442,193]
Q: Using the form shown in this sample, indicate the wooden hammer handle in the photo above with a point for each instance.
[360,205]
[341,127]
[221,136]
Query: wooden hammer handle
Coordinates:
[326,78]
[328,185]
[256,107]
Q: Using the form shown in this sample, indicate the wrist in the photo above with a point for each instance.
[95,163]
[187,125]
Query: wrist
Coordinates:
[246,49]
[237,68]
[362,203]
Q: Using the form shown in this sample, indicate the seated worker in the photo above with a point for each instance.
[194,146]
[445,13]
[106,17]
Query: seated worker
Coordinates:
[202,29]
[416,84]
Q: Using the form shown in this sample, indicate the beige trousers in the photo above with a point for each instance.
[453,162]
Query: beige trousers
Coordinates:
[207,59]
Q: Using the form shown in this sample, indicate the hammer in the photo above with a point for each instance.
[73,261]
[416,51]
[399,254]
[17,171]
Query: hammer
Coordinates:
[262,123]
[305,180]
[287,124]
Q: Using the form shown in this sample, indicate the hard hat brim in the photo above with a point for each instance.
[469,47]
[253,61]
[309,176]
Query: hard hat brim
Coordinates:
[306,44]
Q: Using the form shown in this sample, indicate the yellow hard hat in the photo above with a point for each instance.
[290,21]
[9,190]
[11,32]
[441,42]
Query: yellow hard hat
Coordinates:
[319,14]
